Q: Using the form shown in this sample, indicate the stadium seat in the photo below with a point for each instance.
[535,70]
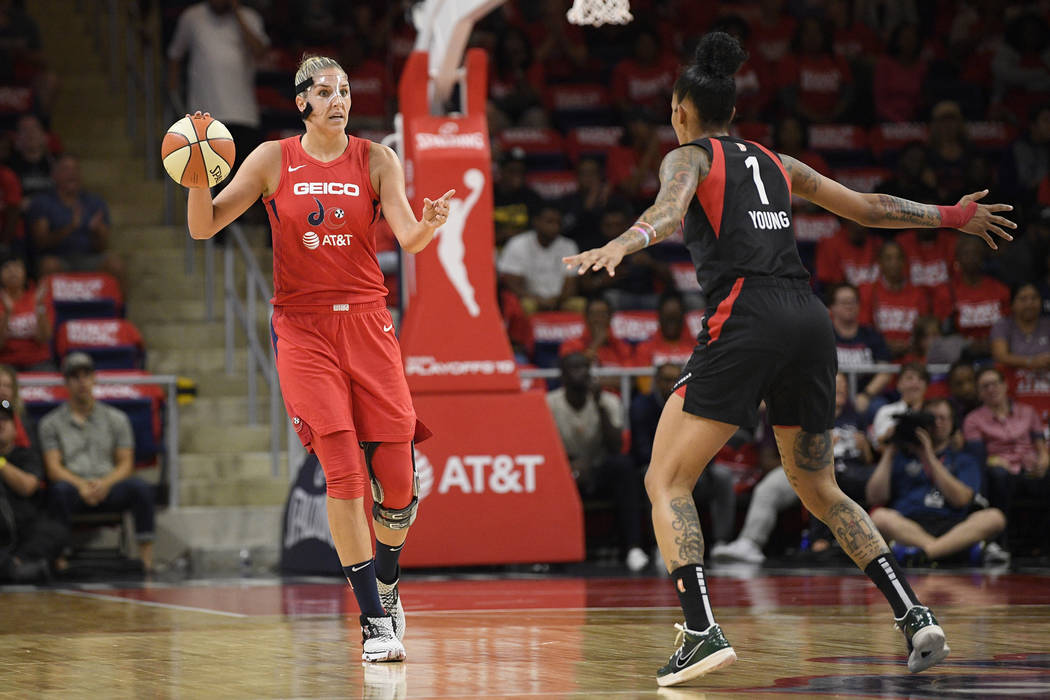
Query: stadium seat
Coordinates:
[552,184]
[811,228]
[842,145]
[550,329]
[635,326]
[113,343]
[887,140]
[593,141]
[579,104]
[684,274]
[992,137]
[543,148]
[143,404]
[862,179]
[85,295]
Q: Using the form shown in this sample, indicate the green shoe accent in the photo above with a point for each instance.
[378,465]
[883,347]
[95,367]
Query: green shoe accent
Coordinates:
[925,638]
[698,654]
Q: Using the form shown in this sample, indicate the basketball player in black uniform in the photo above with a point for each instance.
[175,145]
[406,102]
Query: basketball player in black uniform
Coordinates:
[765,336]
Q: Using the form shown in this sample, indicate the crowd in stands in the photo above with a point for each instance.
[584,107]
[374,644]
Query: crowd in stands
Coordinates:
[922,100]
[62,453]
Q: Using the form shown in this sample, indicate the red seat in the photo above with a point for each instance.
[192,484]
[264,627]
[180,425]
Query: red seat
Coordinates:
[862,179]
[635,326]
[544,149]
[113,343]
[85,295]
[593,141]
[553,184]
[842,144]
[887,139]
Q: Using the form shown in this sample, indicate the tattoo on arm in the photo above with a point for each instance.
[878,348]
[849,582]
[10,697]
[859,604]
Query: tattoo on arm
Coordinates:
[855,532]
[689,541]
[889,211]
[813,451]
[805,181]
[680,174]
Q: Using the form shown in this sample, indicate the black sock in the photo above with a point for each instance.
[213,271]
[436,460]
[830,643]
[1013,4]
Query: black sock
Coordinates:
[362,578]
[691,586]
[386,561]
[885,572]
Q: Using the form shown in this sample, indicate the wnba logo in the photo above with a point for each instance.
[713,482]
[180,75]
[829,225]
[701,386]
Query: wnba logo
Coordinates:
[310,240]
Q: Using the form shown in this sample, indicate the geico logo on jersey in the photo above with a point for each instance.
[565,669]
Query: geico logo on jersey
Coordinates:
[347,188]
[312,241]
[492,473]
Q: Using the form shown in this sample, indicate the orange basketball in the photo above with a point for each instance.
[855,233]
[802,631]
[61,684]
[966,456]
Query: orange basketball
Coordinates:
[198,151]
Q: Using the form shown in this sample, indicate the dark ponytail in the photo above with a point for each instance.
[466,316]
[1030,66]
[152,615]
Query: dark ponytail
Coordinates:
[708,81]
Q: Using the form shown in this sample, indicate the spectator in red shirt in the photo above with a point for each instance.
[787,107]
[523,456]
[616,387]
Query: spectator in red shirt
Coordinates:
[371,90]
[772,31]
[899,73]
[891,304]
[979,300]
[598,343]
[11,231]
[948,150]
[854,40]
[850,255]
[673,343]
[646,77]
[516,84]
[817,84]
[28,320]
[633,167]
[930,253]
[755,82]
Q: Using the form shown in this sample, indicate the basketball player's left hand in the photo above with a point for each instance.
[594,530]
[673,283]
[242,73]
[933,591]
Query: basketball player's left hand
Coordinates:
[435,213]
[608,257]
[985,221]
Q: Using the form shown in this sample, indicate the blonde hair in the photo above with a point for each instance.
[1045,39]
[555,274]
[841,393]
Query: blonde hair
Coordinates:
[311,65]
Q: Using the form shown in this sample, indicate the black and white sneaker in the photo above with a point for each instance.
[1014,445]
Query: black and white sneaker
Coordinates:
[378,641]
[391,600]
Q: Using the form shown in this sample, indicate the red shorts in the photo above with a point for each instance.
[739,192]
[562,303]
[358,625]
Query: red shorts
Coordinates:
[342,370]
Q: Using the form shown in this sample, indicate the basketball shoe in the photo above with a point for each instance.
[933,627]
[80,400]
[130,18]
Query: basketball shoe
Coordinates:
[379,643]
[925,638]
[698,654]
[391,600]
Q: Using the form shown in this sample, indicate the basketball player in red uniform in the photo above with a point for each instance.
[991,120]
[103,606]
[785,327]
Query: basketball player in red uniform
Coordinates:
[337,357]
[765,336]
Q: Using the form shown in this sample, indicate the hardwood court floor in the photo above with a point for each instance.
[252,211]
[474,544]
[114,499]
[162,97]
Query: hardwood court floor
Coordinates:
[796,636]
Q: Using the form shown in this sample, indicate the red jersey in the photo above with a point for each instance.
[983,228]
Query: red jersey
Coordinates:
[977,308]
[323,217]
[658,351]
[612,353]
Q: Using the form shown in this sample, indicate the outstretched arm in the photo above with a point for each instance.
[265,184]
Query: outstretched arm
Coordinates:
[886,211]
[680,174]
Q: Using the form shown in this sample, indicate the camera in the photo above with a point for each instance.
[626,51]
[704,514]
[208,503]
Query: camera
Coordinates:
[907,423]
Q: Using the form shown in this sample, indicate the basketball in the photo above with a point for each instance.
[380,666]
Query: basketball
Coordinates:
[198,151]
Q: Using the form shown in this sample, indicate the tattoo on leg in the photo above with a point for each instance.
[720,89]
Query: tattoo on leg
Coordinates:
[689,541]
[813,451]
[855,532]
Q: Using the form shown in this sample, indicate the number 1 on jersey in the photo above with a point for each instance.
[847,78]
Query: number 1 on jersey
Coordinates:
[752,162]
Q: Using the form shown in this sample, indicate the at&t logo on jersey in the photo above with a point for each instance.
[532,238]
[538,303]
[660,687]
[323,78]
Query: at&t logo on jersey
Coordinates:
[336,240]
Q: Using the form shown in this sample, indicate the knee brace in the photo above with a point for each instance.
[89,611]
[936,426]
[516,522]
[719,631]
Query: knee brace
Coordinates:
[393,518]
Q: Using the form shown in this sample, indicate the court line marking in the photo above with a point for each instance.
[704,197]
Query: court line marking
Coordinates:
[151,603]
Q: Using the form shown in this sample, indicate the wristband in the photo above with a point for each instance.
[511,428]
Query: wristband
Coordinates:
[957,216]
[642,226]
[642,231]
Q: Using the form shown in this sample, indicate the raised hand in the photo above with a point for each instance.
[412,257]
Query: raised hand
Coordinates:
[435,213]
[985,221]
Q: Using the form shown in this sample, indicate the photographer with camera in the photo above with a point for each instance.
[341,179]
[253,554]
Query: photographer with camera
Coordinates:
[929,489]
[911,383]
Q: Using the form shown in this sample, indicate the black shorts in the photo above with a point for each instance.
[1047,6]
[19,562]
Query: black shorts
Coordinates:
[771,339]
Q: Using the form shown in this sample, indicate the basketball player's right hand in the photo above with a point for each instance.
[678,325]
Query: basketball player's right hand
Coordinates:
[985,221]
[608,257]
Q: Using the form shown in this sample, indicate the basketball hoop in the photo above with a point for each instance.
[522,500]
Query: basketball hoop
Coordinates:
[599,12]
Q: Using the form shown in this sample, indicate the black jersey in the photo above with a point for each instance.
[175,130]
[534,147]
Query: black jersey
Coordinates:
[739,224]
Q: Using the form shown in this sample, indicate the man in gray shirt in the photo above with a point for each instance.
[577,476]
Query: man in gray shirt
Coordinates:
[88,455]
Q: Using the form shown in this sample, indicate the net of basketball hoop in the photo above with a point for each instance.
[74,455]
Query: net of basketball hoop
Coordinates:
[599,12]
